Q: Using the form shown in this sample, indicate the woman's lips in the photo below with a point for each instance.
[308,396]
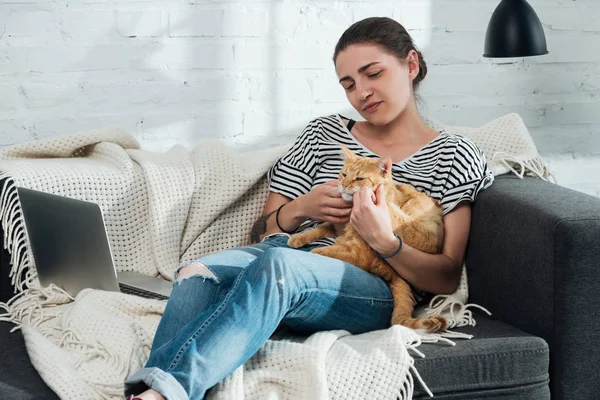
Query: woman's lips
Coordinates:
[373,107]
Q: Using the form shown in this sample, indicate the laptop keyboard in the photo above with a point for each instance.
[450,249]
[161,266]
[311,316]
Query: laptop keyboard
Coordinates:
[141,292]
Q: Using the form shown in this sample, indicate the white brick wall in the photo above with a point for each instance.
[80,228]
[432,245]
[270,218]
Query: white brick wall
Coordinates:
[254,72]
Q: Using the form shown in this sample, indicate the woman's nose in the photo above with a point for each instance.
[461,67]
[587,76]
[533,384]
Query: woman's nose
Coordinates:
[364,91]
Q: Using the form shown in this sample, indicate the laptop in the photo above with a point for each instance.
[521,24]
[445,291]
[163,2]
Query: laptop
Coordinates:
[71,248]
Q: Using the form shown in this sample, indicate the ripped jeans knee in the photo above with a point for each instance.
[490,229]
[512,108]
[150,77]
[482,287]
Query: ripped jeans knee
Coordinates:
[194,268]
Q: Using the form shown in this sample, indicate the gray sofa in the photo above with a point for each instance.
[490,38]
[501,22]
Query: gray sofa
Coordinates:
[532,257]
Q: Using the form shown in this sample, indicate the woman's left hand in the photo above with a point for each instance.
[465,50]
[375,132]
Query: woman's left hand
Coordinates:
[371,218]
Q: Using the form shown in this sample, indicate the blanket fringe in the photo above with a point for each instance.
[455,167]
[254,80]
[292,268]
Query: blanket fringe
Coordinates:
[15,236]
[408,387]
[407,390]
[34,306]
[94,351]
[458,313]
[533,166]
[27,307]
[68,339]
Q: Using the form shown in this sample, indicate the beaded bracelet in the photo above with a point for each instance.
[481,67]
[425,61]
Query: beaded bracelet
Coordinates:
[396,252]
[277,220]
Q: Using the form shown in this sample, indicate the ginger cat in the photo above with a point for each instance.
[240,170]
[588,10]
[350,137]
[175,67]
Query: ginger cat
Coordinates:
[416,218]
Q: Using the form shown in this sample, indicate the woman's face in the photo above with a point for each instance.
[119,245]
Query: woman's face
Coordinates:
[376,83]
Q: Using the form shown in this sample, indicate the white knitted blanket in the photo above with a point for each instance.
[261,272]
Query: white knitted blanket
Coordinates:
[162,209]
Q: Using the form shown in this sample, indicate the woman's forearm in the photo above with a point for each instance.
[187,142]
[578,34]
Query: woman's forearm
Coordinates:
[434,273]
[290,218]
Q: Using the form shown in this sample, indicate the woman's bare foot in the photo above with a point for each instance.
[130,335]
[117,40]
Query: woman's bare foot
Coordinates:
[150,395]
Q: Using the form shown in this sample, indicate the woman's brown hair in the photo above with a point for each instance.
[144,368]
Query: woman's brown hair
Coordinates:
[387,33]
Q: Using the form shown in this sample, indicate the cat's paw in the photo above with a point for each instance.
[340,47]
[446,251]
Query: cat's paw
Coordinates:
[296,241]
[324,251]
[435,323]
[432,324]
[319,250]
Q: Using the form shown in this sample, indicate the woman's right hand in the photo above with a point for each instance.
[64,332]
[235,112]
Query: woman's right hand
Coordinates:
[325,203]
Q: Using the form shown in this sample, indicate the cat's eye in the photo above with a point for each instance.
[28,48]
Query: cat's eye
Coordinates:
[359,179]
[343,174]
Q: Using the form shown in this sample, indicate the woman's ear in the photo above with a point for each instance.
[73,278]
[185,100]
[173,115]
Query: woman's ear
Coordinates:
[412,60]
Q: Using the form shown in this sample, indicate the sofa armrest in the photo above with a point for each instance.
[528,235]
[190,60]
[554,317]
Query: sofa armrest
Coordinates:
[533,260]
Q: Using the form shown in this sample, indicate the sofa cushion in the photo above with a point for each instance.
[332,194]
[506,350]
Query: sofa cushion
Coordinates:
[499,361]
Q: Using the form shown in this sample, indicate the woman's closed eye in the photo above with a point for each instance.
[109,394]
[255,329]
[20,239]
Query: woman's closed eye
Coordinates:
[374,75]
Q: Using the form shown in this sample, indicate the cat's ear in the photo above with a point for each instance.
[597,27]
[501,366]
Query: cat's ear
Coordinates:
[385,163]
[346,153]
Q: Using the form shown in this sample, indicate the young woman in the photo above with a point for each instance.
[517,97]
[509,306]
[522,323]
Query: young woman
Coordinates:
[224,306]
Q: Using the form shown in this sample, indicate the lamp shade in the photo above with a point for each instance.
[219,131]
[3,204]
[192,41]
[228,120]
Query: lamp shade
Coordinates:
[514,31]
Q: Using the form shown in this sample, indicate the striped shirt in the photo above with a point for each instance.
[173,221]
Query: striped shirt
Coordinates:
[450,168]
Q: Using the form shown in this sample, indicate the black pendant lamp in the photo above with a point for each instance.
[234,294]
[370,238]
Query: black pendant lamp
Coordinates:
[514,31]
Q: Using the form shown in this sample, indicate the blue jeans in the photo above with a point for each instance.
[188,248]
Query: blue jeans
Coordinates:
[212,326]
